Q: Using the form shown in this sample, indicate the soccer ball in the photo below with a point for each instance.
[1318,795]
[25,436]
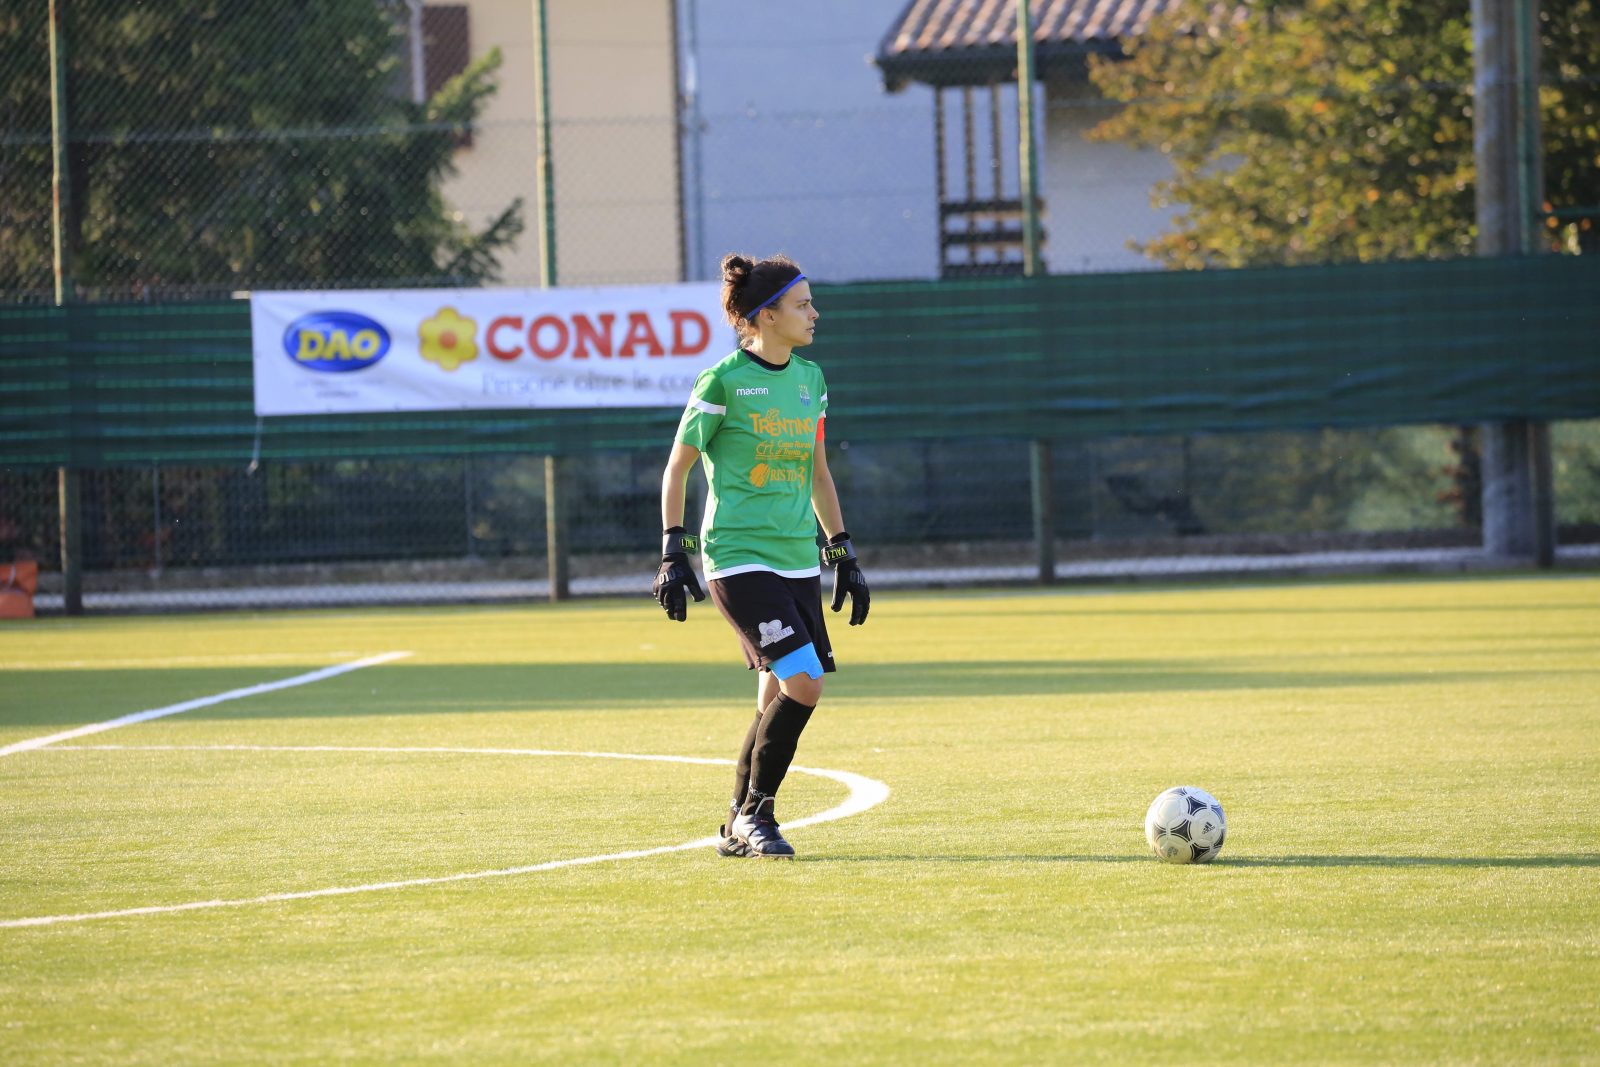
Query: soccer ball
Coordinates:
[1185,825]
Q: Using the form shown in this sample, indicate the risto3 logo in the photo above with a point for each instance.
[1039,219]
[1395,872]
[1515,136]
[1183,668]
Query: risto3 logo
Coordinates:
[335,341]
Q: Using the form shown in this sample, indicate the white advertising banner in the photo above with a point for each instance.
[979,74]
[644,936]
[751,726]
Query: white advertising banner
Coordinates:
[335,352]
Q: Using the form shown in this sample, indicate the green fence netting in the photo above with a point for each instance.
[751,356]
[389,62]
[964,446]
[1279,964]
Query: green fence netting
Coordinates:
[1061,357]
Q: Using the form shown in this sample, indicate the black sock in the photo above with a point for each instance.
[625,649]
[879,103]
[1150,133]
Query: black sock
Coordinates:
[741,777]
[777,736]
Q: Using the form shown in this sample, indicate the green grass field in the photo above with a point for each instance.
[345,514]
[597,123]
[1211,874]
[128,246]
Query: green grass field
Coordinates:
[1411,771]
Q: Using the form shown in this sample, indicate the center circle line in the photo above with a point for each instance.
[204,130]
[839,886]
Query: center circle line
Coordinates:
[864,793]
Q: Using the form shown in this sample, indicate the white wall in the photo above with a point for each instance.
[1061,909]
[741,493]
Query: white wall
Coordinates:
[801,151]
[613,125]
[799,148]
[497,168]
[1097,194]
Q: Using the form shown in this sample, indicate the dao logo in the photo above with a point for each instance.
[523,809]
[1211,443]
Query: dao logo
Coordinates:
[335,341]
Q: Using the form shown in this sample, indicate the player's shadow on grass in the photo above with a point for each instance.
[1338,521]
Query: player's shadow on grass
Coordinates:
[1583,860]
[1073,677]
[43,697]
[1411,861]
[1093,615]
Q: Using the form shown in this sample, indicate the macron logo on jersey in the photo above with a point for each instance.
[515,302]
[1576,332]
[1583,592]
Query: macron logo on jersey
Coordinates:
[759,390]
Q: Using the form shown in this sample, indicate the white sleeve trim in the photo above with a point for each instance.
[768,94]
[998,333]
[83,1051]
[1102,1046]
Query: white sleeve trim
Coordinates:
[710,409]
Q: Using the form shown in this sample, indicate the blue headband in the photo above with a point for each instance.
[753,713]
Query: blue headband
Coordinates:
[750,315]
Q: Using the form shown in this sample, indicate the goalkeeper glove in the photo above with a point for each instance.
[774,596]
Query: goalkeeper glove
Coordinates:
[847,577]
[675,575]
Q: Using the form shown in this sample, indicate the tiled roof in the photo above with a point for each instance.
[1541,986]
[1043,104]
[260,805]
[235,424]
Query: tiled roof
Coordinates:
[956,42]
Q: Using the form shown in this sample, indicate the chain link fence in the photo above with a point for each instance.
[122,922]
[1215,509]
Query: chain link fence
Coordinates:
[214,148]
[208,149]
[927,512]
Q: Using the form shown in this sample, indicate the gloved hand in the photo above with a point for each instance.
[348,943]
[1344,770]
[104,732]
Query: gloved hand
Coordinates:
[839,554]
[675,575]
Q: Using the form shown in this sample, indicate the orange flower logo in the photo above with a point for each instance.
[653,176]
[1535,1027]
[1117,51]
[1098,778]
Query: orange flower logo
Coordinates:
[448,339]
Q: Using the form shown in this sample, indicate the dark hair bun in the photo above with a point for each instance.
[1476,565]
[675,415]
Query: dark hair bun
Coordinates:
[747,285]
[736,269]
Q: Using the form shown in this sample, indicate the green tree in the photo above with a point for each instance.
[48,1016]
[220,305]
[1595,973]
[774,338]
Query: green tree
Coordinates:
[232,144]
[1328,130]
[1570,113]
[1575,448]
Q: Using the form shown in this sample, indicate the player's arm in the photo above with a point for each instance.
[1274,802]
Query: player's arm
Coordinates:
[675,577]
[674,483]
[824,494]
[839,553]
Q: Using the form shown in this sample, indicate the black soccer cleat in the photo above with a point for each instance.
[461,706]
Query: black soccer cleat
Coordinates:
[731,846]
[759,832]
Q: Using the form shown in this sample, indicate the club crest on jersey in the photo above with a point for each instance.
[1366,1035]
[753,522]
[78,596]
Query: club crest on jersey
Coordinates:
[805,396]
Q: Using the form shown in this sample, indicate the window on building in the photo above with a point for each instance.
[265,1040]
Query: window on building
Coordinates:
[446,50]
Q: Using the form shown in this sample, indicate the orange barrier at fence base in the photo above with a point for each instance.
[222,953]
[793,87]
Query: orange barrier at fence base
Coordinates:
[18,583]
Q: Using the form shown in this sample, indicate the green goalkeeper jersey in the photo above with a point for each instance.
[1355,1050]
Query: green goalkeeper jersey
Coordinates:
[758,428]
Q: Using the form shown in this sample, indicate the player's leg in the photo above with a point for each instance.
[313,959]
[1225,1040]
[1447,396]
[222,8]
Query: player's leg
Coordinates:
[767,687]
[779,624]
[800,672]
[766,691]
[799,675]
[783,720]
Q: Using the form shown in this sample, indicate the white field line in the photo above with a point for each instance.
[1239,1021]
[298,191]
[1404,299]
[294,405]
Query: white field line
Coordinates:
[201,702]
[864,793]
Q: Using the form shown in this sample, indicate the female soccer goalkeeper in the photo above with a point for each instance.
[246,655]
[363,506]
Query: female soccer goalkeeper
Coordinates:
[756,420]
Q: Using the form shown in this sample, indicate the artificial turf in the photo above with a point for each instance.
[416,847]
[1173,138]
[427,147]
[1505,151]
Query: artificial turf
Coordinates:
[1410,769]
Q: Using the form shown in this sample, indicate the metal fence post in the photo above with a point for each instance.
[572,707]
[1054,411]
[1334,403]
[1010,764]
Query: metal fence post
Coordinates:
[555,527]
[71,540]
[1039,458]
[1517,516]
[1040,467]
[468,490]
[1028,168]
[60,221]
[155,518]
[554,513]
[1544,495]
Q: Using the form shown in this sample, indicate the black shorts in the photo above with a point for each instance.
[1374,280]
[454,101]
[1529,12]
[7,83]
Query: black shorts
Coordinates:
[773,615]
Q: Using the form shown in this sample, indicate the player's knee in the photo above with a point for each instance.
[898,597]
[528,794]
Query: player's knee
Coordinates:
[799,675]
